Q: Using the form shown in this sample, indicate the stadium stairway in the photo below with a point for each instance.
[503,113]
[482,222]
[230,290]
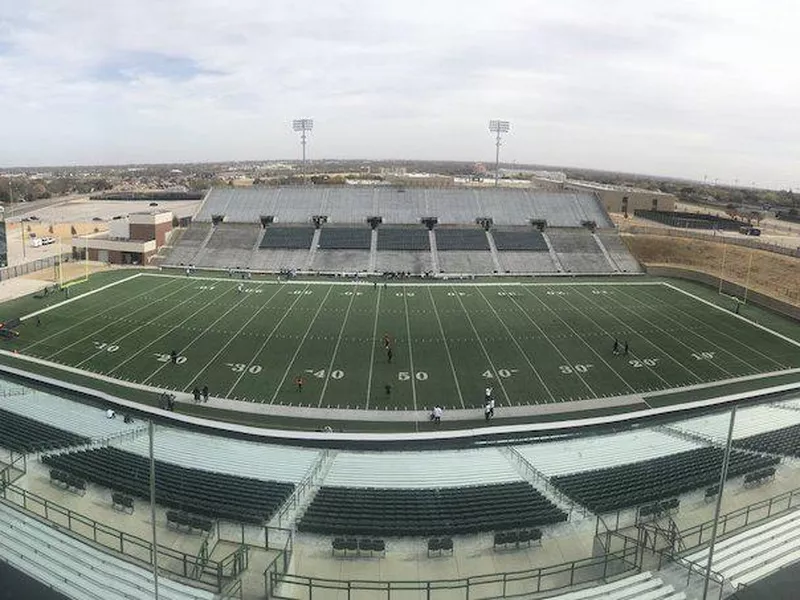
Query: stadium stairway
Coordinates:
[605,252]
[760,551]
[434,251]
[642,586]
[493,248]
[76,569]
[313,250]
[373,251]
[553,255]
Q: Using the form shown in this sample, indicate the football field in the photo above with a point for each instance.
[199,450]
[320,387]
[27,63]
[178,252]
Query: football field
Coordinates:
[532,343]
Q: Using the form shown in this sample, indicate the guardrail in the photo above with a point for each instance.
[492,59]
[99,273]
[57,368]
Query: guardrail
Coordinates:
[514,584]
[16,462]
[303,488]
[212,575]
[32,266]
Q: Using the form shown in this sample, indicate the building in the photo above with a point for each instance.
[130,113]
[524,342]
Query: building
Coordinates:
[625,200]
[130,240]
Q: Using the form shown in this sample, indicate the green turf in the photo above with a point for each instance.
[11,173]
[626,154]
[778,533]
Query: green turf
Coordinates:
[533,344]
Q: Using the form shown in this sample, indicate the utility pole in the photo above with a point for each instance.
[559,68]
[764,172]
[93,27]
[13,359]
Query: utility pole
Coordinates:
[304,126]
[498,127]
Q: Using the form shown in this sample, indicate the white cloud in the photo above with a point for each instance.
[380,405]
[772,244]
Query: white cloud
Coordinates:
[676,88]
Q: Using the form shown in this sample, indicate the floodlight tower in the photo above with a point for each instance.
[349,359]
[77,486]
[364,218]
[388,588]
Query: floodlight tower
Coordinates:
[303,126]
[498,127]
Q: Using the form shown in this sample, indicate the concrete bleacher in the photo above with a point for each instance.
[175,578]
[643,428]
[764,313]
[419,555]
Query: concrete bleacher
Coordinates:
[278,260]
[340,261]
[519,239]
[749,422]
[226,455]
[463,261]
[446,468]
[76,569]
[578,251]
[619,252]
[353,204]
[757,552]
[189,244]
[642,586]
[581,454]
[527,262]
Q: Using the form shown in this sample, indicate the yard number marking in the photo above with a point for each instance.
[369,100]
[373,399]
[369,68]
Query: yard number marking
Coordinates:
[240,368]
[637,363]
[703,355]
[504,373]
[105,346]
[204,287]
[320,374]
[301,292]
[165,358]
[556,293]
[406,294]
[572,369]
[406,376]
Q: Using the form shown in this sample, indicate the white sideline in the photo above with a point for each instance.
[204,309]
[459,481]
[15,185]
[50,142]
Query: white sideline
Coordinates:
[740,317]
[84,295]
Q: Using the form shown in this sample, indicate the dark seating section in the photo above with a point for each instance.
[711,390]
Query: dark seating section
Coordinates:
[358,546]
[659,509]
[638,483]
[760,476]
[461,239]
[205,493]
[122,502]
[68,481]
[522,239]
[507,539]
[440,545]
[780,441]
[427,512]
[298,238]
[688,220]
[345,238]
[403,238]
[22,434]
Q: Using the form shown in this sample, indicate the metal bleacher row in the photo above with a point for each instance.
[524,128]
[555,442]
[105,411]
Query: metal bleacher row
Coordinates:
[208,493]
[426,512]
[273,229]
[77,569]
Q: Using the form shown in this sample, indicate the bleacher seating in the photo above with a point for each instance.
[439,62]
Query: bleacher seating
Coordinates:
[642,586]
[406,470]
[750,422]
[211,494]
[465,261]
[23,434]
[296,238]
[65,415]
[756,552]
[689,220]
[353,204]
[461,239]
[526,262]
[619,252]
[403,239]
[778,441]
[580,454]
[578,251]
[269,462]
[633,484]
[77,569]
[234,236]
[440,545]
[426,512]
[344,238]
[527,238]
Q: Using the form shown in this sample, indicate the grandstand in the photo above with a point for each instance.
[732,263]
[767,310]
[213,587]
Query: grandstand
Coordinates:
[462,222]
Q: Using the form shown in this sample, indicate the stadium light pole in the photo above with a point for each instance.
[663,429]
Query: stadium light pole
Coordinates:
[498,127]
[303,126]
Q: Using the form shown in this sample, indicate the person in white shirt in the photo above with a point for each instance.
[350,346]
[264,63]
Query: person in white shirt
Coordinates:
[491,407]
[437,414]
[110,414]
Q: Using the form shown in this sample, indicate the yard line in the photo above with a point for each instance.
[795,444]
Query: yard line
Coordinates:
[516,343]
[681,342]
[447,348]
[374,343]
[480,341]
[636,333]
[745,319]
[265,342]
[730,337]
[336,348]
[230,341]
[81,296]
[165,334]
[200,335]
[411,359]
[556,348]
[302,341]
[132,331]
[94,314]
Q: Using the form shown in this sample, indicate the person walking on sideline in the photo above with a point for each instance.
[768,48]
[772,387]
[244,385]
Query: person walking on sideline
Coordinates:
[487,410]
[491,407]
[437,414]
[205,393]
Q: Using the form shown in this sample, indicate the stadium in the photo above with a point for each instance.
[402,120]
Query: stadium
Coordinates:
[385,392]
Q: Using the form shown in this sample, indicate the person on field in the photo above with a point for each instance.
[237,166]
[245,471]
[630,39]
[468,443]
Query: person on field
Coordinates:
[196,394]
[298,381]
[205,393]
[389,355]
[491,408]
[616,346]
[625,348]
[487,395]
[174,357]
[437,414]
[387,341]
[487,410]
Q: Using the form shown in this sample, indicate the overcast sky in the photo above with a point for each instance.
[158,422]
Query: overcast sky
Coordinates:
[675,87]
